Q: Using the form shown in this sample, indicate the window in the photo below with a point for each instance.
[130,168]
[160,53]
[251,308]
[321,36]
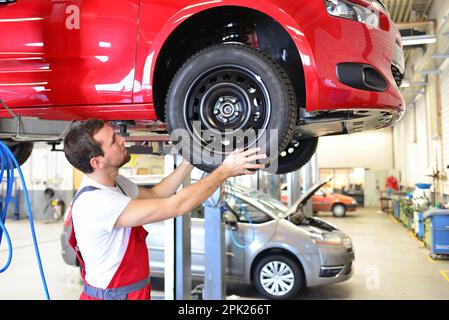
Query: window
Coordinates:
[244,210]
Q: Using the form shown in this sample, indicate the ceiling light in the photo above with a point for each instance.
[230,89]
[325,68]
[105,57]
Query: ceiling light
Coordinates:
[405,84]
[418,40]
[435,71]
[441,56]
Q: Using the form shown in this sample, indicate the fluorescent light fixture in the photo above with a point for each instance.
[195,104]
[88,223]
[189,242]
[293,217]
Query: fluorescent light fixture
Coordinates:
[408,84]
[435,71]
[414,92]
[417,40]
[441,56]
[405,84]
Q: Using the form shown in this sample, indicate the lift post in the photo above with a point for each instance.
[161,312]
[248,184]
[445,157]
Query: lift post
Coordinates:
[215,251]
[177,253]
[177,244]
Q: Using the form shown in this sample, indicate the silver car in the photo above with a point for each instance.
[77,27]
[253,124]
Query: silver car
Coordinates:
[274,247]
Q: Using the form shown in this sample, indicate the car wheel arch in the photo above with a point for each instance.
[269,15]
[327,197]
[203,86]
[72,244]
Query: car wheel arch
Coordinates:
[164,70]
[280,251]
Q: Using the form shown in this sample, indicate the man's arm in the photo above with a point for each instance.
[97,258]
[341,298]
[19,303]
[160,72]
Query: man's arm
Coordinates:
[142,211]
[167,186]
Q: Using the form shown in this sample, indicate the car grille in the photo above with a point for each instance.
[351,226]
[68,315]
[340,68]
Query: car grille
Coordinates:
[397,75]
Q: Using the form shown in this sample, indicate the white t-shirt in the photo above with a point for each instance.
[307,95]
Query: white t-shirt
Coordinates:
[94,214]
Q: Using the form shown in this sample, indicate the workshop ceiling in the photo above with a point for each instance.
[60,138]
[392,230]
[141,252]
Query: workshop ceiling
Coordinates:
[408,10]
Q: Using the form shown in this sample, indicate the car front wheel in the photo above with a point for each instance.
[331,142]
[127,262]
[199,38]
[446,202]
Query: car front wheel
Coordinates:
[278,277]
[228,96]
[296,154]
[339,210]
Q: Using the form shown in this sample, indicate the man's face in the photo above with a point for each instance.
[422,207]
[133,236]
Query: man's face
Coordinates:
[113,146]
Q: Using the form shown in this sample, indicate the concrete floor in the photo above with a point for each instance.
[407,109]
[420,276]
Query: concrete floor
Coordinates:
[390,264]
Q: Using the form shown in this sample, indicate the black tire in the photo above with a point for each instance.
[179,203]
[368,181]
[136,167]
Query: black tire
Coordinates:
[296,155]
[232,88]
[271,263]
[21,151]
[339,210]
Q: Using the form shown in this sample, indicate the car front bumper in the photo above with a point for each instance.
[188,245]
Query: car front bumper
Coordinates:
[374,53]
[335,265]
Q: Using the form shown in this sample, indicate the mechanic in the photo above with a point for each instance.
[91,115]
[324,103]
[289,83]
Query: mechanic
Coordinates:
[109,211]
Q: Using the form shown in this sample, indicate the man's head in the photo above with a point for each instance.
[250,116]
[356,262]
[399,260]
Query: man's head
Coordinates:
[93,145]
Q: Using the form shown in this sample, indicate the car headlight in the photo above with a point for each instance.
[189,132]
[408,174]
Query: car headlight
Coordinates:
[354,201]
[347,242]
[326,239]
[348,10]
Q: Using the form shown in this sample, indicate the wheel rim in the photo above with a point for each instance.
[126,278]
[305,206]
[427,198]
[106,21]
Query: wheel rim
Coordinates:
[225,101]
[339,210]
[277,278]
[290,151]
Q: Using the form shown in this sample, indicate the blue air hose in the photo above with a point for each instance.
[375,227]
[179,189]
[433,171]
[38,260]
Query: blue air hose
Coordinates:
[8,163]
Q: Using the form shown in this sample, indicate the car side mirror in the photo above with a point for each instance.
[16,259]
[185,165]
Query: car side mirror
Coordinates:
[230,220]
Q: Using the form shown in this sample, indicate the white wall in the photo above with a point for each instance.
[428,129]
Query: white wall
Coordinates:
[371,149]
[421,138]
[46,169]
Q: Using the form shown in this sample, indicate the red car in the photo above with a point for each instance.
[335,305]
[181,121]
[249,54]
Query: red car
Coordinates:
[337,203]
[306,68]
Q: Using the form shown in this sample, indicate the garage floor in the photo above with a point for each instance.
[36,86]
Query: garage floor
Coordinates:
[390,264]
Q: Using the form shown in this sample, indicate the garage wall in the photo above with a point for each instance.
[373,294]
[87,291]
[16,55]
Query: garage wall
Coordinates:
[371,149]
[45,169]
[444,80]
[412,144]
[421,138]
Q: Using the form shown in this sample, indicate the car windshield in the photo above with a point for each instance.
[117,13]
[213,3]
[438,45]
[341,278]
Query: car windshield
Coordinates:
[268,203]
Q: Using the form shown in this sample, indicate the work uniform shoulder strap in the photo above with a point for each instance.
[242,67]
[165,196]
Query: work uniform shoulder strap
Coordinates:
[116,183]
[82,190]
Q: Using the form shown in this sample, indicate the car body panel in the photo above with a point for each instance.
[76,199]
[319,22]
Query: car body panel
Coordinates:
[236,266]
[67,53]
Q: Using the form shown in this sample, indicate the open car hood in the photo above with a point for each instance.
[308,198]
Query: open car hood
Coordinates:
[305,197]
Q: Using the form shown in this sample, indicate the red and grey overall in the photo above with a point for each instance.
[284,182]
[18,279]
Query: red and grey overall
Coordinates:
[131,281]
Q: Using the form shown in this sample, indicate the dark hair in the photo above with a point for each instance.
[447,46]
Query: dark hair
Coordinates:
[80,146]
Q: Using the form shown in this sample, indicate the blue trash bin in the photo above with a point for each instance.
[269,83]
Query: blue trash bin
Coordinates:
[439,230]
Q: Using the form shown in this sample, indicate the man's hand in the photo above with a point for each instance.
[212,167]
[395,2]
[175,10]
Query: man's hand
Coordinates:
[239,162]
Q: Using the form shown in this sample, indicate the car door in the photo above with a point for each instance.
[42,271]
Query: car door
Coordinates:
[234,255]
[156,247]
[320,201]
[67,52]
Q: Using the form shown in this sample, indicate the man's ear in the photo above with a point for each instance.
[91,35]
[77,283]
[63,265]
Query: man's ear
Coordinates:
[96,162]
